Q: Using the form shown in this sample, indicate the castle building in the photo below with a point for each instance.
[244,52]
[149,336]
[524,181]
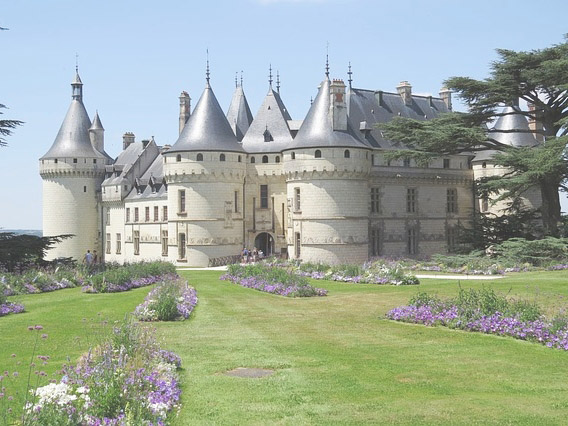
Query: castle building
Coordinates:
[318,189]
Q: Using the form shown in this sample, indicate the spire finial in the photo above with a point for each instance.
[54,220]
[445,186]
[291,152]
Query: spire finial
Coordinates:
[278,81]
[349,73]
[311,100]
[207,73]
[327,60]
[236,81]
[270,75]
[241,78]
[77,63]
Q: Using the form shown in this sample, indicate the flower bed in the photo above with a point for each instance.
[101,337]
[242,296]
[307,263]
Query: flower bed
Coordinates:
[169,301]
[271,280]
[126,380]
[484,311]
[7,308]
[33,281]
[130,276]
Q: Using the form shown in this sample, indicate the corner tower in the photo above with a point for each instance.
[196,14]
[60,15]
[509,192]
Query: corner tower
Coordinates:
[72,171]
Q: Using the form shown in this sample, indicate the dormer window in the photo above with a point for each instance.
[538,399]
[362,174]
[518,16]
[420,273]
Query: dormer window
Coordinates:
[252,160]
[199,157]
[265,158]
[317,154]
[94,161]
[74,161]
[346,154]
[55,161]
[222,157]
[267,136]
[277,159]
[178,158]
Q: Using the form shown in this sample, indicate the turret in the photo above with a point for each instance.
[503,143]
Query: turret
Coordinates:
[97,134]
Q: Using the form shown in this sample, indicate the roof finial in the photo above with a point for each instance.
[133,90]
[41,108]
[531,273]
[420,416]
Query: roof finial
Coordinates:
[76,62]
[349,73]
[241,78]
[278,81]
[207,73]
[236,81]
[311,100]
[270,75]
[327,60]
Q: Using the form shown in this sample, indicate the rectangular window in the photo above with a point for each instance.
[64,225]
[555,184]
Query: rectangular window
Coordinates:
[156,213]
[128,215]
[182,201]
[118,243]
[446,163]
[297,199]
[147,214]
[411,197]
[108,216]
[263,196]
[412,241]
[484,204]
[107,243]
[452,238]
[165,212]
[164,243]
[137,242]
[136,216]
[452,200]
[375,194]
[406,162]
[298,245]
[181,246]
[375,242]
[236,201]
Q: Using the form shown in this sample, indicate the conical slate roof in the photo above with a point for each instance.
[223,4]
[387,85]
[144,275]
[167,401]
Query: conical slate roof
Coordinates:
[73,140]
[97,125]
[207,128]
[272,117]
[512,128]
[239,115]
[317,128]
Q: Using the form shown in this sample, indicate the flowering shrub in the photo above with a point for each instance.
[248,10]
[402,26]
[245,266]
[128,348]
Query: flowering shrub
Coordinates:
[32,280]
[10,308]
[124,278]
[126,380]
[484,311]
[170,300]
[271,280]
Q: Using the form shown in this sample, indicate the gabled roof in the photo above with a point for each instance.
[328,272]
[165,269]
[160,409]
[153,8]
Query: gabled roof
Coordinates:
[317,128]
[372,107]
[512,128]
[239,115]
[269,131]
[73,138]
[151,183]
[207,128]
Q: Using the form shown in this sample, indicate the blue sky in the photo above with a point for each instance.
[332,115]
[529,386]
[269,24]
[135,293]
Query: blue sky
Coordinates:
[135,57]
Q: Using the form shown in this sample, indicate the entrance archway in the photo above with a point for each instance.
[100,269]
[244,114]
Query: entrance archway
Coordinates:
[265,242]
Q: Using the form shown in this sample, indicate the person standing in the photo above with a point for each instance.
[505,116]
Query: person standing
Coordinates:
[88,259]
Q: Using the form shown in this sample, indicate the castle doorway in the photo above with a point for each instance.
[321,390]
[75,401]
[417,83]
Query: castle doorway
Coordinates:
[265,242]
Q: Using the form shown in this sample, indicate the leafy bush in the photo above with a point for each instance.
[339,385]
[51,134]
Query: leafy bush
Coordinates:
[170,300]
[537,252]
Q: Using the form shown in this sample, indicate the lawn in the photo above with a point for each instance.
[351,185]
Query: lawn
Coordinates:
[335,359]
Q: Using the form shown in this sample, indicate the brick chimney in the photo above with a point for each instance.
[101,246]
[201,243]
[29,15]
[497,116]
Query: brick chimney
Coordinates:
[404,89]
[338,105]
[184,109]
[127,139]
[446,96]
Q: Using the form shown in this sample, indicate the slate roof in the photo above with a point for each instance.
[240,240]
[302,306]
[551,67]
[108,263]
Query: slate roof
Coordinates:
[519,134]
[239,115]
[272,117]
[207,128]
[124,162]
[150,184]
[371,107]
[317,128]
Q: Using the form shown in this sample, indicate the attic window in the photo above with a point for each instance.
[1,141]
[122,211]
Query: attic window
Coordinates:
[317,154]
[265,158]
[94,161]
[222,157]
[74,161]
[199,157]
[267,136]
[346,154]
[252,160]
[277,159]
[55,161]
[178,158]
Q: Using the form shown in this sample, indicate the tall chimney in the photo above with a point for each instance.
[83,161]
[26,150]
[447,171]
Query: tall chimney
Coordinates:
[535,124]
[184,109]
[338,105]
[446,96]
[405,91]
[127,139]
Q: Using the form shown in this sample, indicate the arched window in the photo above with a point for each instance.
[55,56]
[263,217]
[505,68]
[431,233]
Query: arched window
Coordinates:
[484,164]
[222,157]
[265,158]
[240,158]
[346,154]
[292,156]
[277,159]
[200,157]
[317,153]
[252,160]
[178,158]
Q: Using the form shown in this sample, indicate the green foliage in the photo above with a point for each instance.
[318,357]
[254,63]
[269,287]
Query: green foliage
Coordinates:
[270,274]
[22,251]
[7,126]
[314,267]
[166,302]
[119,275]
[537,252]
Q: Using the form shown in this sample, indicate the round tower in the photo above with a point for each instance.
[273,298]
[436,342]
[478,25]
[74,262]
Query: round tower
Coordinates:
[72,171]
[327,170]
[205,172]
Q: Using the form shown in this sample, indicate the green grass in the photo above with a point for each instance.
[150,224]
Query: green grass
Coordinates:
[336,359]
